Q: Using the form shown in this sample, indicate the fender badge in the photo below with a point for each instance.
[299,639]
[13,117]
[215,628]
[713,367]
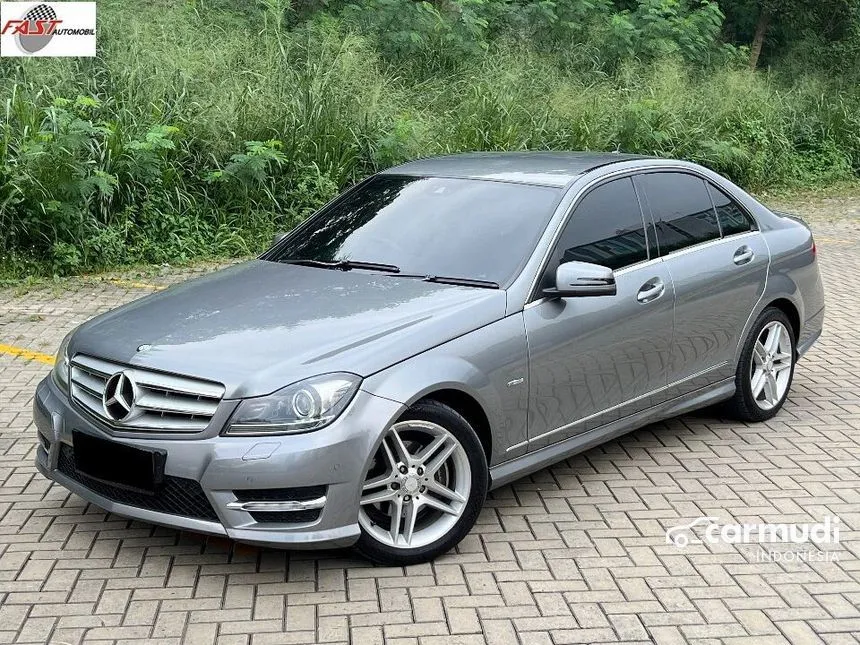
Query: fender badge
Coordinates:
[144,348]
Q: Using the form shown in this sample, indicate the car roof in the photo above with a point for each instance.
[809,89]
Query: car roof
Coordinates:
[541,168]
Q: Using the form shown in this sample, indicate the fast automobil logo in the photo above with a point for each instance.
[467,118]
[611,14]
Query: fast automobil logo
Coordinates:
[48,29]
[35,29]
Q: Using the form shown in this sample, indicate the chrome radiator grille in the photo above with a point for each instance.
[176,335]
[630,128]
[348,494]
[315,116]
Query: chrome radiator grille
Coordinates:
[158,402]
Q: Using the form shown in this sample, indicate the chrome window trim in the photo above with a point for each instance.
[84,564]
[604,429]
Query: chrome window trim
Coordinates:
[638,265]
[704,245]
[534,295]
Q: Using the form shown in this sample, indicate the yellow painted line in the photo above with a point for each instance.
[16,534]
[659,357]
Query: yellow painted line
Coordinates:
[136,285]
[27,354]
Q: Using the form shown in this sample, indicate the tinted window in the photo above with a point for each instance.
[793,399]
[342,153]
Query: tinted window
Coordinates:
[681,208]
[460,228]
[606,228]
[733,219]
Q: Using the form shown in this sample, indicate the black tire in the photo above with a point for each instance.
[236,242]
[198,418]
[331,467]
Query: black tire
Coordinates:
[743,405]
[453,422]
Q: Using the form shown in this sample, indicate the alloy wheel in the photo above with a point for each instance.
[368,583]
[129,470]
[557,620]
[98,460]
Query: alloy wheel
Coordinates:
[770,370]
[417,486]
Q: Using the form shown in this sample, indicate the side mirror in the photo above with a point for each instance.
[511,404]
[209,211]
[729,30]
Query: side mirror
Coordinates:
[574,279]
[277,237]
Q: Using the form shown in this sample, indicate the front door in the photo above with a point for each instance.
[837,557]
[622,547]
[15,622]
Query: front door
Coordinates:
[596,359]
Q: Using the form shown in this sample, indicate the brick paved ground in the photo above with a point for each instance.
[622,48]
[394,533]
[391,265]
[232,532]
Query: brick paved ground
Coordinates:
[573,554]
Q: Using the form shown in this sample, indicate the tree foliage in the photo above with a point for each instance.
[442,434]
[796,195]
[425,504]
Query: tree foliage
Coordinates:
[203,127]
[824,30]
[439,32]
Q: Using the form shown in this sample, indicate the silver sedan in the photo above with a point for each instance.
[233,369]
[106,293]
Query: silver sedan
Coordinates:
[438,330]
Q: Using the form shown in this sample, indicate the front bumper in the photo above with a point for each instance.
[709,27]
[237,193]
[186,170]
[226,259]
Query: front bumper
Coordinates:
[215,468]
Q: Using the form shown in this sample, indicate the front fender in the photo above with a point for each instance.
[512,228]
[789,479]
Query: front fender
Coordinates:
[414,379]
[489,364]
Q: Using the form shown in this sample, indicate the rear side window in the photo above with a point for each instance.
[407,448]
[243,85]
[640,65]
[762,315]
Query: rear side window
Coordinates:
[606,228]
[733,219]
[682,210]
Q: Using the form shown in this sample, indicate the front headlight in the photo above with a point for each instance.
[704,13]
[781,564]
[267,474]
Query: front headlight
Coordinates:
[61,364]
[307,405]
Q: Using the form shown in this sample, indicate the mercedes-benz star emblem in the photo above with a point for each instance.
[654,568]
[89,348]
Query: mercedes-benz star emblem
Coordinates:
[119,394]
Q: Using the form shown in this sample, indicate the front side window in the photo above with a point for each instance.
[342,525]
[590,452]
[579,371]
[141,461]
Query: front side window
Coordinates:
[462,228]
[733,219]
[682,210]
[606,228]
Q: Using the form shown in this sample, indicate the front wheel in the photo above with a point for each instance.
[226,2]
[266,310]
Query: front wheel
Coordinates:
[766,368]
[424,489]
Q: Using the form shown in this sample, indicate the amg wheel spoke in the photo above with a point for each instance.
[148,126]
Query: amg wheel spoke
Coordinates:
[759,353]
[443,491]
[396,515]
[780,367]
[389,455]
[770,390]
[439,505]
[410,512]
[376,482]
[431,449]
[757,383]
[400,450]
[440,458]
[384,495]
[774,337]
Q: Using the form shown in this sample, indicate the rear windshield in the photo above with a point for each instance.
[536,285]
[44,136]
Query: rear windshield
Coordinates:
[463,228]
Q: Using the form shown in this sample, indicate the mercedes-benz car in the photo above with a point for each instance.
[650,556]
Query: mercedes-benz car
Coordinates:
[438,330]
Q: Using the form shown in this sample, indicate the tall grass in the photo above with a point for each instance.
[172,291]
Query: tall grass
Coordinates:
[204,138]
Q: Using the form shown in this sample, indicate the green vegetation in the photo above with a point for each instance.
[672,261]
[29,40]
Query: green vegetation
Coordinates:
[203,127]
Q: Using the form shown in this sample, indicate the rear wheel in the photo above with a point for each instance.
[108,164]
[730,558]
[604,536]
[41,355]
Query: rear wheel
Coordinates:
[424,488]
[766,368]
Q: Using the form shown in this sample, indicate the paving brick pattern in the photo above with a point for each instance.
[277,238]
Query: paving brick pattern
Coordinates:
[573,554]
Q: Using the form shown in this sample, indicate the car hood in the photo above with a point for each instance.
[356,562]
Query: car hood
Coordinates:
[259,326]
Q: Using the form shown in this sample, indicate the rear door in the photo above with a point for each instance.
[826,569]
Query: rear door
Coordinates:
[598,358]
[718,263]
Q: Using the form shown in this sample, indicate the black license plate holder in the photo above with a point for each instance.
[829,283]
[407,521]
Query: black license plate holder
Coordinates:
[118,464]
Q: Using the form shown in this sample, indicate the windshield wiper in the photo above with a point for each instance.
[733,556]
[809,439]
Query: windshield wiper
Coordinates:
[345,265]
[464,282]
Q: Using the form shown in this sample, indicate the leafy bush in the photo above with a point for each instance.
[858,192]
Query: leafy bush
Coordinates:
[206,138]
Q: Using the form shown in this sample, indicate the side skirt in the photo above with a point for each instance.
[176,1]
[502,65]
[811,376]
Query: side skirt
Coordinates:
[509,471]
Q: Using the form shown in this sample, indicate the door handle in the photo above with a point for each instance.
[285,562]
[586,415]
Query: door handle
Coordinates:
[743,255]
[651,290]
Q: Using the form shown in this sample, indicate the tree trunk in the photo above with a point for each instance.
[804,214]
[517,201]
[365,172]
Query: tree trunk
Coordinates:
[758,39]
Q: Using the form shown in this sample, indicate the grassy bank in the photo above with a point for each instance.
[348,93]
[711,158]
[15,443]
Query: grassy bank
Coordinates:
[198,134]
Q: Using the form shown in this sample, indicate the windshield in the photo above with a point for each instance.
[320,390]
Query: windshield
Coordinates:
[464,228]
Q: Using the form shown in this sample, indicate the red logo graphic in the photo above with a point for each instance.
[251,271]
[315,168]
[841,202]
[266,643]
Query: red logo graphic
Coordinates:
[31,27]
